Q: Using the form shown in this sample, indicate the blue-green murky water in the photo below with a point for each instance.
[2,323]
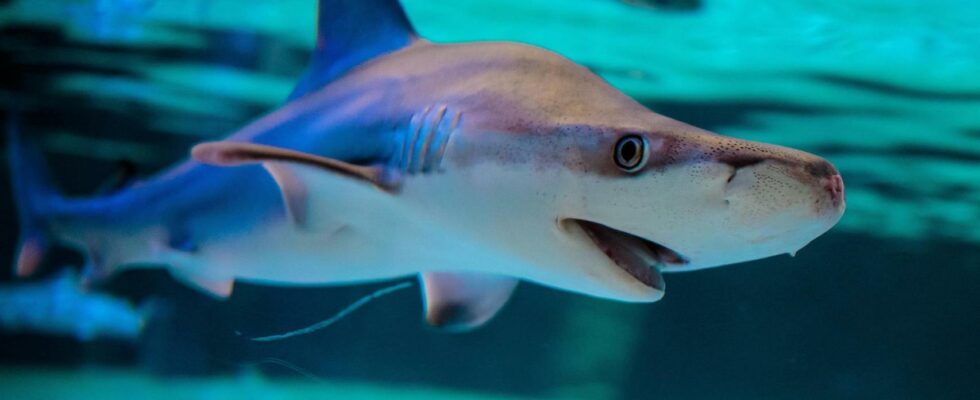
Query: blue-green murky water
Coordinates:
[883,306]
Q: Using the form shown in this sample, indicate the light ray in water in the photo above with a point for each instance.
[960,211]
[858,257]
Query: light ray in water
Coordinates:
[337,317]
[288,365]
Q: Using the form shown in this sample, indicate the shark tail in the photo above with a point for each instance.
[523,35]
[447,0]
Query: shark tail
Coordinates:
[34,196]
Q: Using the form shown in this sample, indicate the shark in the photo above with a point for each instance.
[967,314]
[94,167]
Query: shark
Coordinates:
[471,165]
[62,306]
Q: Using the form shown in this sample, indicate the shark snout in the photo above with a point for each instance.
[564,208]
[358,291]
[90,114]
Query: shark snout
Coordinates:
[826,177]
[777,205]
[778,198]
[829,180]
[776,169]
[834,185]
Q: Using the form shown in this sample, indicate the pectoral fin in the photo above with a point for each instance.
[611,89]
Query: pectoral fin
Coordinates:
[227,153]
[460,301]
[297,185]
[293,190]
[218,288]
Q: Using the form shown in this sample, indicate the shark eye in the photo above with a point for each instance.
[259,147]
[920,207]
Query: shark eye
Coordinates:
[631,153]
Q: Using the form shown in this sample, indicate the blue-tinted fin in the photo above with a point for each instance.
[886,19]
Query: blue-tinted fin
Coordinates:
[461,301]
[217,288]
[229,154]
[34,193]
[350,32]
[295,190]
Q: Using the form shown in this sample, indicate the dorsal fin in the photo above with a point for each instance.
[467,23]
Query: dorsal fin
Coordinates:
[350,32]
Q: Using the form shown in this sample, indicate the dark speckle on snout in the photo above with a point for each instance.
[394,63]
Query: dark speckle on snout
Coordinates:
[821,169]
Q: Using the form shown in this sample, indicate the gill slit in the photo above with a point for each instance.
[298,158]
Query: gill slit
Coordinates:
[422,145]
[415,126]
[424,141]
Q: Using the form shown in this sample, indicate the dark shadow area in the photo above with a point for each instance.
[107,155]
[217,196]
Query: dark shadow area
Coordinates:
[714,115]
[903,152]
[889,89]
[887,189]
[852,316]
[43,51]
[668,5]
[34,57]
[627,73]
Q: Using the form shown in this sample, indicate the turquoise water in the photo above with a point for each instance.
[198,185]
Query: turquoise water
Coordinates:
[883,306]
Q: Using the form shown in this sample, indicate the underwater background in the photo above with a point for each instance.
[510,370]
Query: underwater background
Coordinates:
[885,305]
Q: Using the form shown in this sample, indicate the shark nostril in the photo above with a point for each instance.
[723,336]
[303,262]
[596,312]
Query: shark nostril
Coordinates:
[738,162]
[731,175]
[834,185]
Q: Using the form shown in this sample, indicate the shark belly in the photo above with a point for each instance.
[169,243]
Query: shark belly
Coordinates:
[501,220]
[353,233]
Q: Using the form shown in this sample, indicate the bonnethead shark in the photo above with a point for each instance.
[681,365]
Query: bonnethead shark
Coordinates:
[475,165]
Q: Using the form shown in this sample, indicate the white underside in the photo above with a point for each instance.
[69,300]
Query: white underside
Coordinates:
[445,221]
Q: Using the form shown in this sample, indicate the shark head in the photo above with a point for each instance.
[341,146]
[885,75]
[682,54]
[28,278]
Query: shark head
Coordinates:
[623,205]
[626,193]
[676,198]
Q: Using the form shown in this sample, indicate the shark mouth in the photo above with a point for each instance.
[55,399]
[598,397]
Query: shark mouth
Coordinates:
[641,258]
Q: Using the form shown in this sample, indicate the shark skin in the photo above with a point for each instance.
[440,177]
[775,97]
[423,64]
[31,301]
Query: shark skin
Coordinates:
[474,165]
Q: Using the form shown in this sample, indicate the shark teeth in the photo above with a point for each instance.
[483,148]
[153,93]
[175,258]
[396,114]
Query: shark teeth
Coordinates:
[641,258]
